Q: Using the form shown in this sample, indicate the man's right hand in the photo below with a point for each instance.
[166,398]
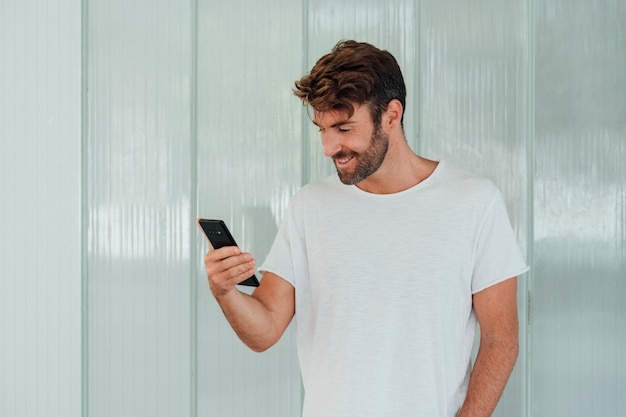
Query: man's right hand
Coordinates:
[259,319]
[226,267]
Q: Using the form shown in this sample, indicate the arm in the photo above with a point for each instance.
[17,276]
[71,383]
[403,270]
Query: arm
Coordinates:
[259,319]
[496,311]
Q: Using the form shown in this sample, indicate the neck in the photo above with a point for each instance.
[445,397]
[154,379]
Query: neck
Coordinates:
[401,170]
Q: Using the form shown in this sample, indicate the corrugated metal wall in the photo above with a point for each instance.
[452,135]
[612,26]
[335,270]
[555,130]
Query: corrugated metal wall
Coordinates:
[187,111]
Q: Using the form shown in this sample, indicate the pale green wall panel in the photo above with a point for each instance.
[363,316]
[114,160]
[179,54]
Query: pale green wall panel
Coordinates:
[40,177]
[138,208]
[579,314]
[249,163]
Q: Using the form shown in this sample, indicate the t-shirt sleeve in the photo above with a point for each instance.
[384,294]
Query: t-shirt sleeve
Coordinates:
[497,255]
[283,254]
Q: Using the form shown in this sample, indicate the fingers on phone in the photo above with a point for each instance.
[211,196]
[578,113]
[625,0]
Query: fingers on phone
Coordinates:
[240,267]
[229,263]
[242,264]
[222,254]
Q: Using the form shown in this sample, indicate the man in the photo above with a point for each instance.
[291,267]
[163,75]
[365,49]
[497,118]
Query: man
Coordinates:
[386,266]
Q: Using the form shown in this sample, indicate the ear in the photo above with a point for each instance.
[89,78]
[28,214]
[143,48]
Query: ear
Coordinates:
[392,117]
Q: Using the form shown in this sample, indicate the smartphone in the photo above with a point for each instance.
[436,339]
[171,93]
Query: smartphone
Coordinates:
[219,236]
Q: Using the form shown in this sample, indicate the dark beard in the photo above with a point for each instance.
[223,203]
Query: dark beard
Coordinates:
[368,162]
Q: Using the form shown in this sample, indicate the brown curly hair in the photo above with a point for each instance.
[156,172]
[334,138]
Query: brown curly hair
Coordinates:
[353,73]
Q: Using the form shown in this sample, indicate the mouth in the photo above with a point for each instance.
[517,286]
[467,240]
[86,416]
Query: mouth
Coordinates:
[342,160]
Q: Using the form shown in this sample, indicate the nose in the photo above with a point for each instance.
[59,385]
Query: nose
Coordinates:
[331,143]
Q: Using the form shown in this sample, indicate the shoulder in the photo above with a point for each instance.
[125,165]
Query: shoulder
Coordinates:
[331,182]
[323,189]
[464,183]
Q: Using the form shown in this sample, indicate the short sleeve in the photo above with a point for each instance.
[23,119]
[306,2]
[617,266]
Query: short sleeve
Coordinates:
[497,255]
[281,259]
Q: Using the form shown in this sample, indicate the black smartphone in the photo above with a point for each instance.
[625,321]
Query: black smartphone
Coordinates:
[219,236]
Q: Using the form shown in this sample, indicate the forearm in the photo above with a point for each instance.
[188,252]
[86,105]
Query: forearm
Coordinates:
[489,376]
[250,319]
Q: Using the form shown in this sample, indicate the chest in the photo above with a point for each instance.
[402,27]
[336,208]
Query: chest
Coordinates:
[389,249]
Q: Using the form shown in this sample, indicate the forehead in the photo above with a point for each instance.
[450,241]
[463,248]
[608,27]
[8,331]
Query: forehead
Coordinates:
[336,117]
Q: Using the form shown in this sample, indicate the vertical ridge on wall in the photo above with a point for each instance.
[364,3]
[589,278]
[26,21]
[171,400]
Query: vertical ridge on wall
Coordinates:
[84,212]
[416,142]
[193,248]
[530,192]
[304,123]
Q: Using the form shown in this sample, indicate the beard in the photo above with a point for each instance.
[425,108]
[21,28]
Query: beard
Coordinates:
[367,162]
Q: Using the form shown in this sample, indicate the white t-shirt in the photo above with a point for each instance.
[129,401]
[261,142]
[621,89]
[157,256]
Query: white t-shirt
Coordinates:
[384,286]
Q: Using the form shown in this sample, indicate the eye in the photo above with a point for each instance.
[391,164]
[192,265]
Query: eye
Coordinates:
[343,130]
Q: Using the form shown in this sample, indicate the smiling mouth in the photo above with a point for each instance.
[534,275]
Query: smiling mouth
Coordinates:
[343,159]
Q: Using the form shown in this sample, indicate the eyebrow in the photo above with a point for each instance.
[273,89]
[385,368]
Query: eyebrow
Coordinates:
[340,123]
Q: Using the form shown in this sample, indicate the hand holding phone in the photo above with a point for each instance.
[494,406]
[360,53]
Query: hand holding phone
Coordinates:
[219,236]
